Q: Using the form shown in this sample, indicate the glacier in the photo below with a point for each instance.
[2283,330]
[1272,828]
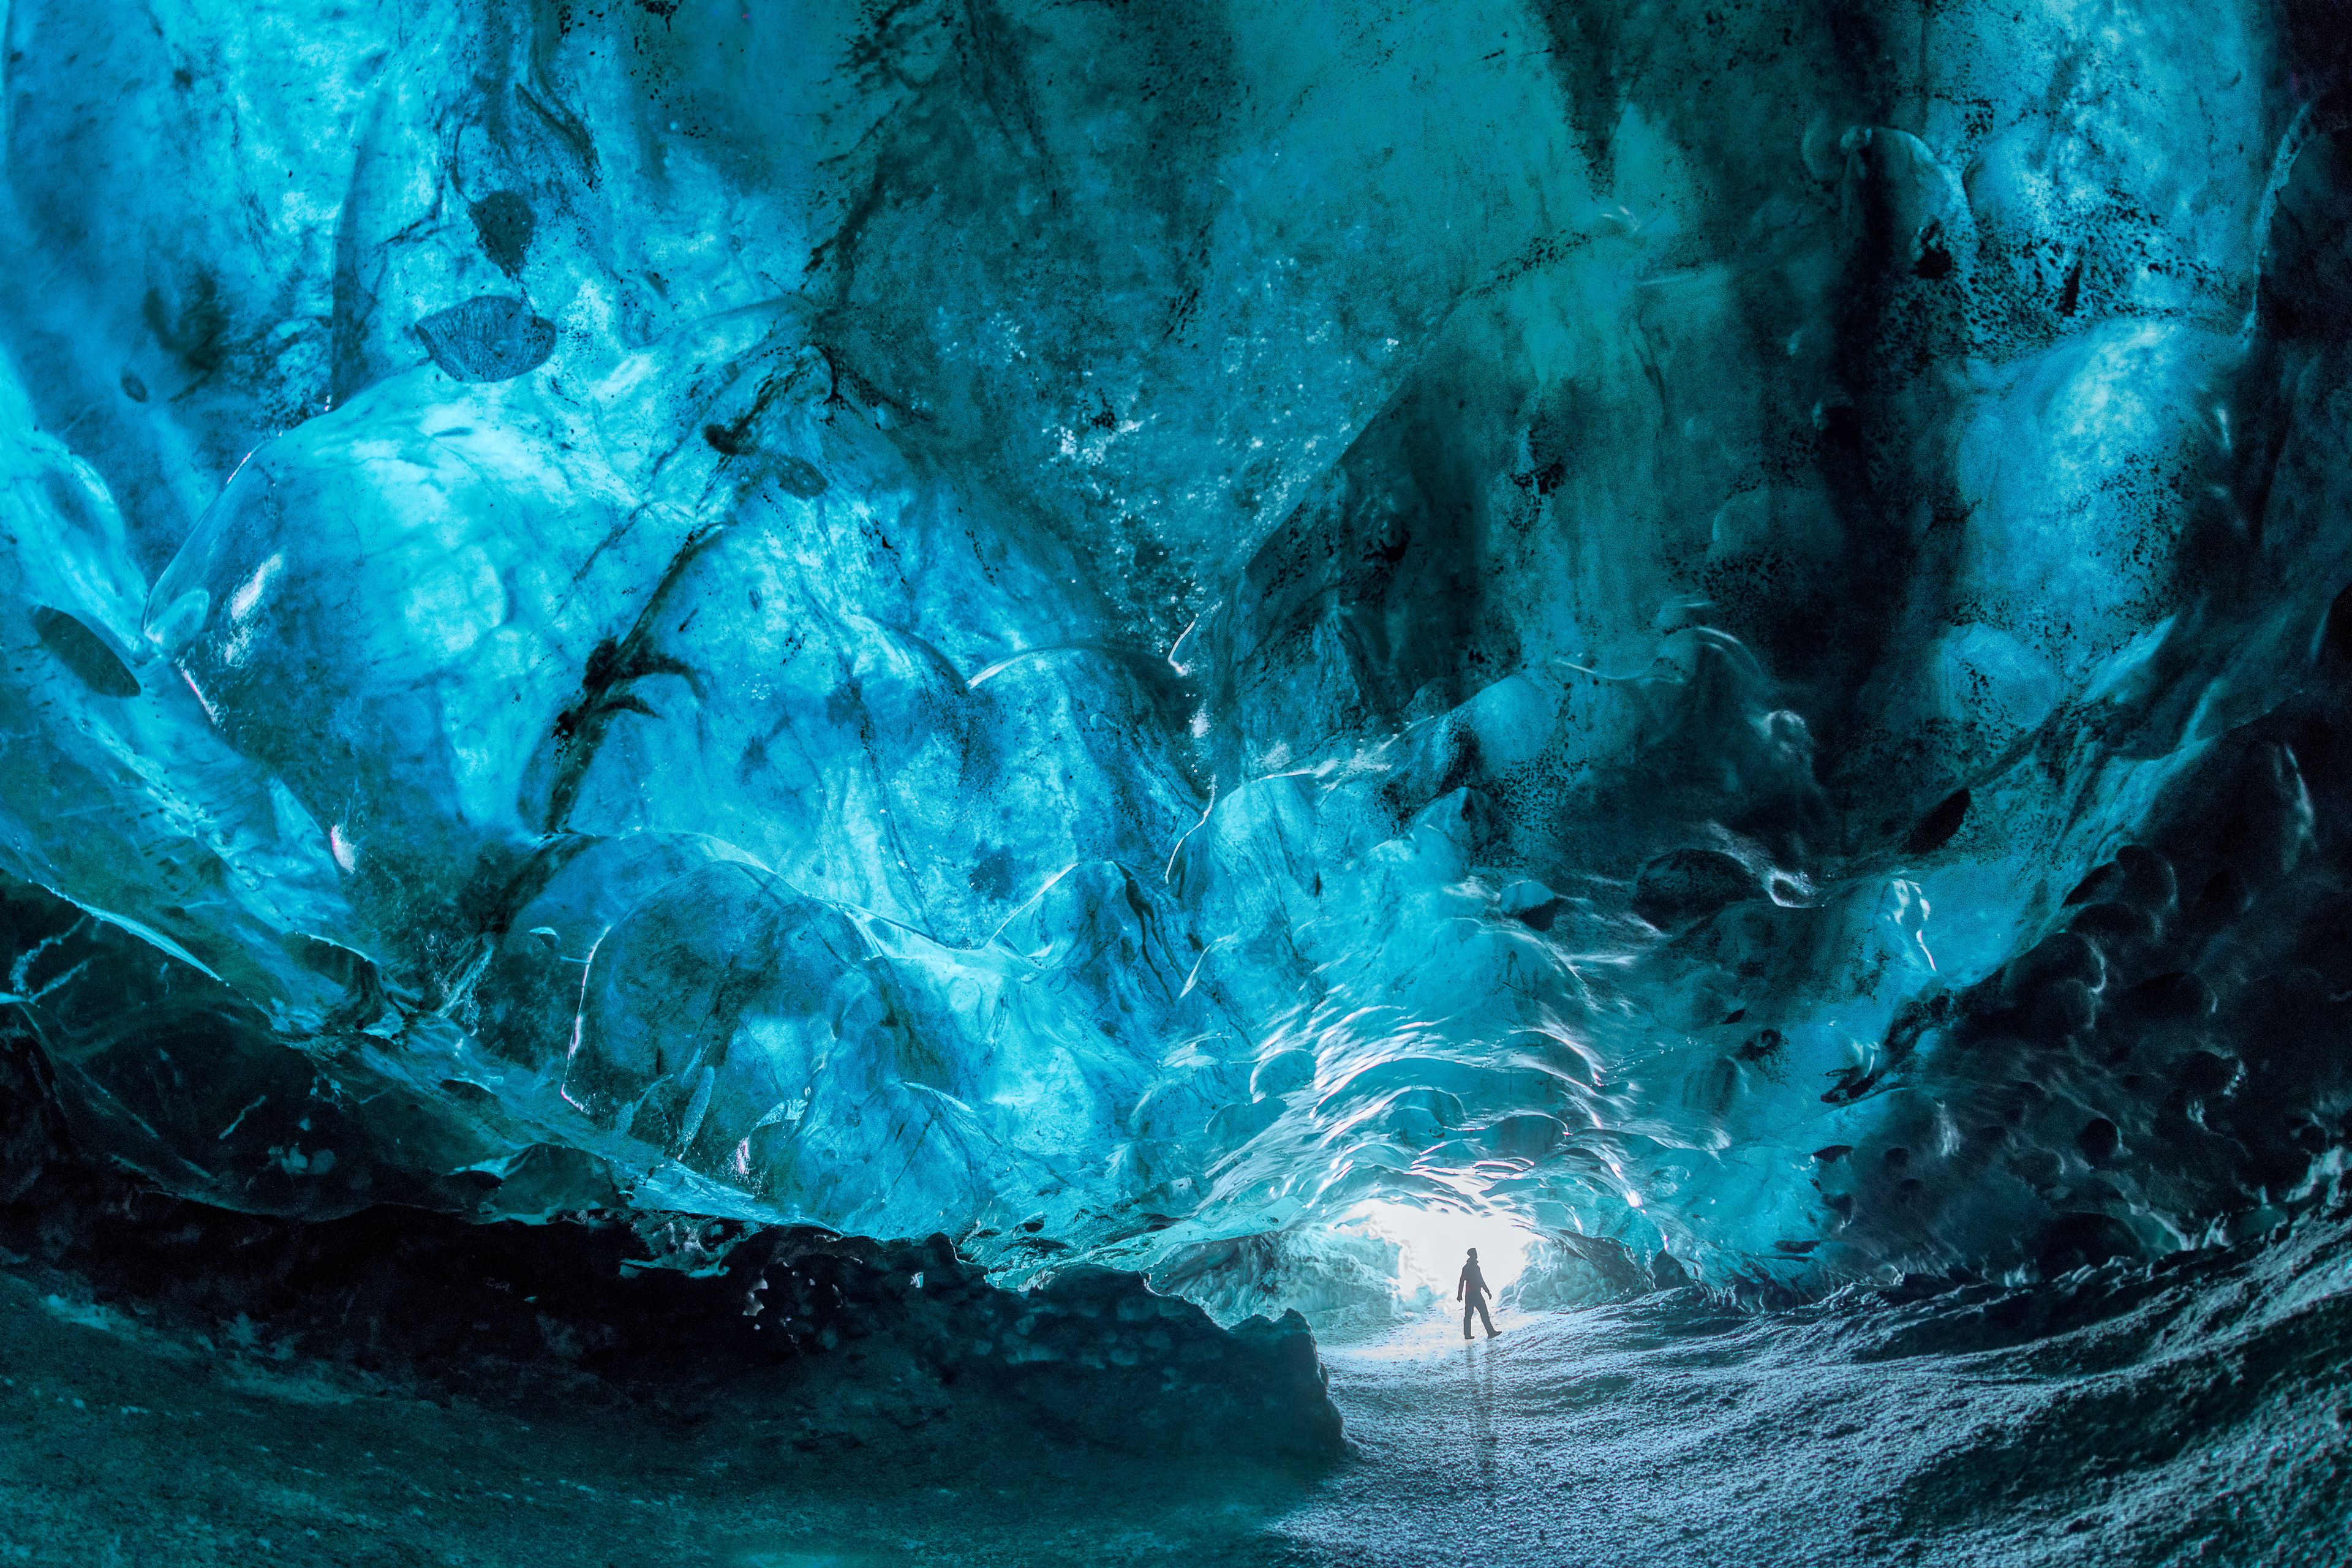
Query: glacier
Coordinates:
[1111,633]
[814,736]
[1126,634]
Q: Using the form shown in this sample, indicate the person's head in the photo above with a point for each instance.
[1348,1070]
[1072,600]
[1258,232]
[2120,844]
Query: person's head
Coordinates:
[1474,1255]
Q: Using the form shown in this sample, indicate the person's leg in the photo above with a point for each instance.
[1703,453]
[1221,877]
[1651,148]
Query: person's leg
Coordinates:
[1485,1317]
[1469,1304]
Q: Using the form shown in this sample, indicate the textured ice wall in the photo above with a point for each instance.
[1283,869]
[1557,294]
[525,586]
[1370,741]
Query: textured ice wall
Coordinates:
[1116,628]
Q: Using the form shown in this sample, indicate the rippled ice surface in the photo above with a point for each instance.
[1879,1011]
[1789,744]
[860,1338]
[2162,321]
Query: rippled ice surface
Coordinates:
[2193,1414]
[1118,630]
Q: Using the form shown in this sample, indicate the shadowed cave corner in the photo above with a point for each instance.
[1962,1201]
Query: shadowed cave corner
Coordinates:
[816,1344]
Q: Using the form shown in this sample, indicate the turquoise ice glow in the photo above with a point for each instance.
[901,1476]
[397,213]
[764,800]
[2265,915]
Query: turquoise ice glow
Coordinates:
[1106,630]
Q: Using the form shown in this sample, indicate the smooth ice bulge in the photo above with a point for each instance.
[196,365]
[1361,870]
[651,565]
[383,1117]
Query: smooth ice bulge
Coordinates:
[1119,634]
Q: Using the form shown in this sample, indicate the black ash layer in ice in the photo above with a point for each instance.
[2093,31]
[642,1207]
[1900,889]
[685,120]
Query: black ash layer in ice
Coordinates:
[900,1354]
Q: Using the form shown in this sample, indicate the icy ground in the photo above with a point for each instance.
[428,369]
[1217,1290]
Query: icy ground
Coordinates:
[1669,1434]
[2191,1415]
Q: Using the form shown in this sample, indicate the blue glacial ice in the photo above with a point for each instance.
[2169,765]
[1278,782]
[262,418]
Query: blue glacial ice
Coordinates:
[1122,632]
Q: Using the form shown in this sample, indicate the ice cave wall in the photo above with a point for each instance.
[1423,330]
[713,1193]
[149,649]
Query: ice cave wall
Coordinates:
[1112,629]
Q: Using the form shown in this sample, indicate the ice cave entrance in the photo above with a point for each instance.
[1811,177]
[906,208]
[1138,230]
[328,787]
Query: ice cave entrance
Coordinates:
[1431,1242]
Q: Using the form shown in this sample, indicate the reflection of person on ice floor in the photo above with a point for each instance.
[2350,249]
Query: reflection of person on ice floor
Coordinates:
[1471,1291]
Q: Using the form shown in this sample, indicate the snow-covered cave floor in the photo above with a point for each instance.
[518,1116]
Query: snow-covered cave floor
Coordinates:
[2199,1420]
[1672,1433]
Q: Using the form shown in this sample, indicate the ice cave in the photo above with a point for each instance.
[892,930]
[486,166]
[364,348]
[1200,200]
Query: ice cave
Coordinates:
[794,782]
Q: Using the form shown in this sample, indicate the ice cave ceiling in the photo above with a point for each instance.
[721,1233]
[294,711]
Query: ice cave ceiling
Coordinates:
[1100,626]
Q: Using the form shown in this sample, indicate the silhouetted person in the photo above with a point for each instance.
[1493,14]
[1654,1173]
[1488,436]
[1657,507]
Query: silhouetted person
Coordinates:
[1471,1291]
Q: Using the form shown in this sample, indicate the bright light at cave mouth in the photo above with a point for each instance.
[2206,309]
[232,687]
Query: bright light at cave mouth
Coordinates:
[1432,1241]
